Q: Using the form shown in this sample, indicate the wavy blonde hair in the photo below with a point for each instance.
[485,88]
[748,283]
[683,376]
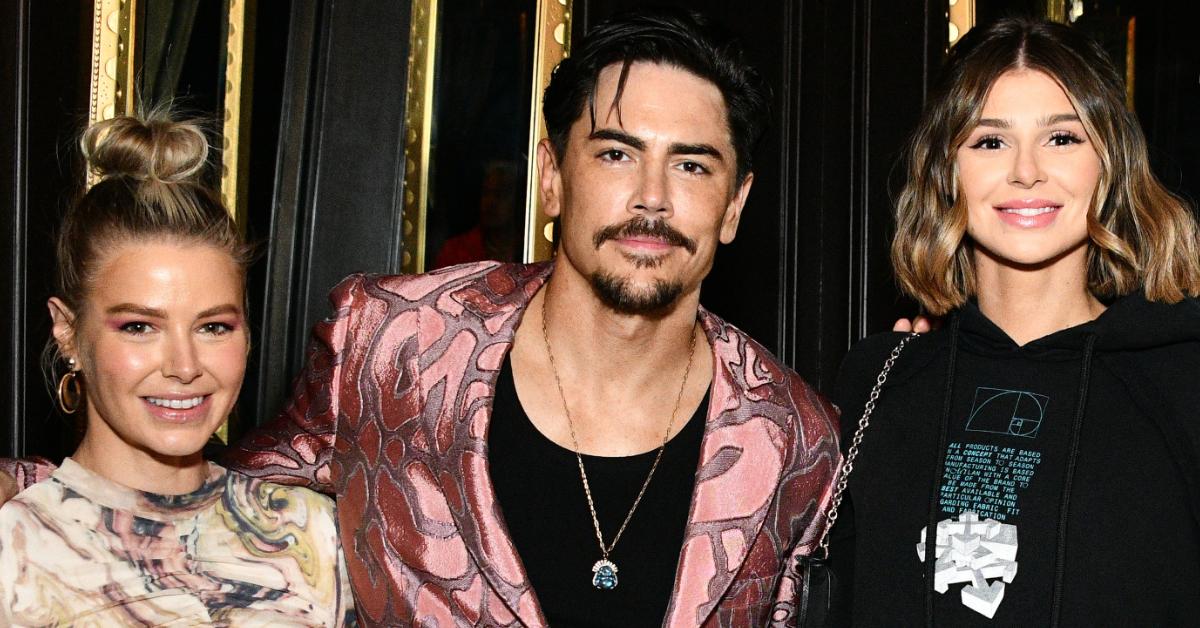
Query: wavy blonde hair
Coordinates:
[1141,235]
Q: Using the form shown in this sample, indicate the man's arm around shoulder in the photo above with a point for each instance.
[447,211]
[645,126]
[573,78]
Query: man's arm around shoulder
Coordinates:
[296,447]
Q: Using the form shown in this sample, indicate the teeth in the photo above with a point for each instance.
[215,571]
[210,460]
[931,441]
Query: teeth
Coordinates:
[176,404]
[1030,211]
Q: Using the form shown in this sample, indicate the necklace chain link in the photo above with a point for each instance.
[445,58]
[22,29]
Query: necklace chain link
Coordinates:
[587,489]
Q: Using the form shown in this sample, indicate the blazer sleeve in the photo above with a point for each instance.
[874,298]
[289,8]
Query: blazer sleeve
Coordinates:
[27,471]
[297,446]
[814,469]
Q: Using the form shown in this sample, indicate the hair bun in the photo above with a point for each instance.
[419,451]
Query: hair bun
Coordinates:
[153,148]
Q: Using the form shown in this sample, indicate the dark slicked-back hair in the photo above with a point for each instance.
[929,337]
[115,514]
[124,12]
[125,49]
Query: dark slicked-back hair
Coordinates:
[682,39]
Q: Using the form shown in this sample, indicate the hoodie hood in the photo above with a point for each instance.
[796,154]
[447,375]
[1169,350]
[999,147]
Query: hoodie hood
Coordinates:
[1131,323]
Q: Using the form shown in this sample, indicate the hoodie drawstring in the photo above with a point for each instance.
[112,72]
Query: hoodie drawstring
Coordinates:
[940,457]
[1060,557]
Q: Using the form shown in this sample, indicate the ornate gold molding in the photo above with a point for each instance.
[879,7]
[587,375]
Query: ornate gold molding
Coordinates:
[418,125]
[552,44]
[235,123]
[1056,11]
[239,58]
[961,16]
[113,54]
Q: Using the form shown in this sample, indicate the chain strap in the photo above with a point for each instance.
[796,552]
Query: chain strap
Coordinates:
[831,514]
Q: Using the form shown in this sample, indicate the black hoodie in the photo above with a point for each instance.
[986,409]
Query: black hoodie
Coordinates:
[1083,444]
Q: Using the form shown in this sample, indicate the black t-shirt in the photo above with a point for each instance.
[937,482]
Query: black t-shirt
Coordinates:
[541,497]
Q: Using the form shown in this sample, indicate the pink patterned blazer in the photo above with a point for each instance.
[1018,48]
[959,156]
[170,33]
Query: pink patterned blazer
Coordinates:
[391,414]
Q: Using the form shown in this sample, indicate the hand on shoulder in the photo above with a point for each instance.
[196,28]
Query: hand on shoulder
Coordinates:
[920,324]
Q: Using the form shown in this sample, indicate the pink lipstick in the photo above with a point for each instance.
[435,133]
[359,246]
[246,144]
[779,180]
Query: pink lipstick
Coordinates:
[176,408]
[1030,213]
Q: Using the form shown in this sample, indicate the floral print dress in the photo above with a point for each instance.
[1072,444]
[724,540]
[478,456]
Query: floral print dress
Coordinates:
[81,550]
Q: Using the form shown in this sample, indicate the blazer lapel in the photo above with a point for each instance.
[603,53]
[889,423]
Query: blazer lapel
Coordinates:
[484,320]
[741,462]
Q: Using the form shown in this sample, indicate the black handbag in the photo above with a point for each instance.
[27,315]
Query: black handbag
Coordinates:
[817,604]
[816,601]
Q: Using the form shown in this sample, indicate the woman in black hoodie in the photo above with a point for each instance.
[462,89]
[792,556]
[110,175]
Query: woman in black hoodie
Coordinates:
[1050,431]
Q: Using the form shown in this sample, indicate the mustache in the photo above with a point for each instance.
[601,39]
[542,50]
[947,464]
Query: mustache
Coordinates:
[639,226]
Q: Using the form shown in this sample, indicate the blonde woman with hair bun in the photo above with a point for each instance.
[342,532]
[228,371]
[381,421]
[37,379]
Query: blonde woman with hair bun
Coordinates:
[1041,451]
[148,352]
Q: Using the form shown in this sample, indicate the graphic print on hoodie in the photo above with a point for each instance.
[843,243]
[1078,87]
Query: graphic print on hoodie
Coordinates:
[1116,541]
[1007,441]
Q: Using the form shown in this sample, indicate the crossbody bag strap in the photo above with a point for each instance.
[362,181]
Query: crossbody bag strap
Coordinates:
[843,478]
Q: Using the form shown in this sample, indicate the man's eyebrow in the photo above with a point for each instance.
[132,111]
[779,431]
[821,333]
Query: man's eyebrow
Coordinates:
[697,149]
[618,136]
[637,143]
[133,308]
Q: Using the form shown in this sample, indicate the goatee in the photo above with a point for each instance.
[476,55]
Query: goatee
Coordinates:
[617,294]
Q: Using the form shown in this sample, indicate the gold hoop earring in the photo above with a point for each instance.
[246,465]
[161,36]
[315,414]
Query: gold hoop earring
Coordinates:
[70,391]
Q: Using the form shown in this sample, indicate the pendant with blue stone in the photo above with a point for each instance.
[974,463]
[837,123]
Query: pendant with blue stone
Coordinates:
[604,575]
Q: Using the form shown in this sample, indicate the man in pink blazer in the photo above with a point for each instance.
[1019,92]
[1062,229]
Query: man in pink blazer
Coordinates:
[577,442]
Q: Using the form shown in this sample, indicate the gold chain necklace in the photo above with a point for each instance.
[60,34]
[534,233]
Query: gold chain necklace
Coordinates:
[604,572]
